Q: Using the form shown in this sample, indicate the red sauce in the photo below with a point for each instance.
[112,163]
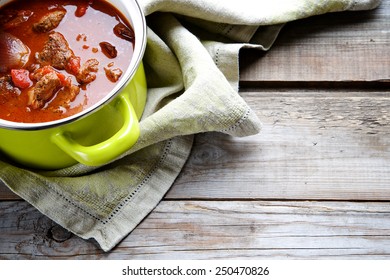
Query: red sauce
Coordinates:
[85,26]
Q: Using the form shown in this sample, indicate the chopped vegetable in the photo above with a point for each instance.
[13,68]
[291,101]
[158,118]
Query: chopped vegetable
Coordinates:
[21,78]
[74,65]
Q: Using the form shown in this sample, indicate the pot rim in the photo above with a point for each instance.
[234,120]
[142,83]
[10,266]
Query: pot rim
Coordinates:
[140,31]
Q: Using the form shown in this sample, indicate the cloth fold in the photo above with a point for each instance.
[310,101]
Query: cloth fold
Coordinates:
[191,65]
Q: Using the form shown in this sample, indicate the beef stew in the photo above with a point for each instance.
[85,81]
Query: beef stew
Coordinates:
[78,51]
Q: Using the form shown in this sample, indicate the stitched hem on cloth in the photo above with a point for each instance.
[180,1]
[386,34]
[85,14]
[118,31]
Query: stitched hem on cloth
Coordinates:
[146,196]
[128,199]
[127,215]
[239,122]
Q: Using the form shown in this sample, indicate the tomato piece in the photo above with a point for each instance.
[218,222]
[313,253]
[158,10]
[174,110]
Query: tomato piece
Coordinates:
[46,70]
[82,8]
[21,78]
[74,65]
[63,79]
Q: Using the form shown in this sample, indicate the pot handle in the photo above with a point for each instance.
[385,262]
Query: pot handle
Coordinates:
[109,149]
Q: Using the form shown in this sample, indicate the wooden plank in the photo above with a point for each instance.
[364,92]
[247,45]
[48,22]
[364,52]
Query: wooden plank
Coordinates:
[6,194]
[314,145]
[332,145]
[214,229]
[358,43]
[348,46]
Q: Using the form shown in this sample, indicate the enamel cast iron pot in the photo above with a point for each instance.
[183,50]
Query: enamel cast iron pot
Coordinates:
[98,134]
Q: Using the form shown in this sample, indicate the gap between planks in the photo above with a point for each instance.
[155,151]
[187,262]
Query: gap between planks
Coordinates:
[330,86]
[210,230]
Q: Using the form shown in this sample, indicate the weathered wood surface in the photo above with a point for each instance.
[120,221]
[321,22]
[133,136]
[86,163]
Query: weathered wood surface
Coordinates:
[314,184]
[314,145]
[214,229]
[352,46]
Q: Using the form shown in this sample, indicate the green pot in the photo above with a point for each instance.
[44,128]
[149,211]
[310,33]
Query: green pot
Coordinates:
[96,135]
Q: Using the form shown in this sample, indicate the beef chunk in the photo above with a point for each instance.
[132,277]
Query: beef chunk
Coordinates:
[43,90]
[87,73]
[13,18]
[49,21]
[49,83]
[7,89]
[5,82]
[56,52]
[6,85]
[113,74]
[69,93]
[65,96]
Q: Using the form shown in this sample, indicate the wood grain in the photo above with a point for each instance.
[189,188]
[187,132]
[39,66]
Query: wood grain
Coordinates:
[314,145]
[352,46]
[347,50]
[314,184]
[214,229]
[6,194]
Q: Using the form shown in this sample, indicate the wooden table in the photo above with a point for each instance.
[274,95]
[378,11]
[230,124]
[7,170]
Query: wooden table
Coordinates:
[314,184]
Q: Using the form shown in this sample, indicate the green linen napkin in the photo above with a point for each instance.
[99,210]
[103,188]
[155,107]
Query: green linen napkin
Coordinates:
[191,64]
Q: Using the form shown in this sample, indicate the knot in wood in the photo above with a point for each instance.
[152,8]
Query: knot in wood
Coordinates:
[59,234]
